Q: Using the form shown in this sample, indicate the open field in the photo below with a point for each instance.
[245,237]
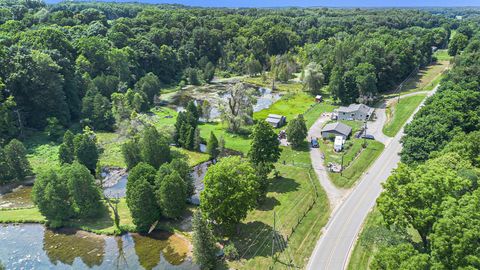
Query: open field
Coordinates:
[290,196]
[399,112]
[425,80]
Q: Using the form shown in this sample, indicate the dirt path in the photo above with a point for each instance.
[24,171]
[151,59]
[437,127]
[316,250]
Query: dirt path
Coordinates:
[335,195]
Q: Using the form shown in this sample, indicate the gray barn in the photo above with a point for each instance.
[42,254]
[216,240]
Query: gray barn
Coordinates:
[359,112]
[336,129]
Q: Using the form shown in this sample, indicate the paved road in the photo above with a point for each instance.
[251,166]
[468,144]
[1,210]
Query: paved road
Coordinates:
[333,248]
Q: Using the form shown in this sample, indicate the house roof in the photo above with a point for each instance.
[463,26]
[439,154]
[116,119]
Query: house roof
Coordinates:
[275,116]
[356,107]
[273,120]
[338,127]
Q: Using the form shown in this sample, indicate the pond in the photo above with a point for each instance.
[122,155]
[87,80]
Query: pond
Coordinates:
[19,197]
[32,246]
[216,95]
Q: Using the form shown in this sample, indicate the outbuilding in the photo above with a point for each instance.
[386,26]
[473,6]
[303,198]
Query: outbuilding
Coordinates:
[336,129]
[318,98]
[276,120]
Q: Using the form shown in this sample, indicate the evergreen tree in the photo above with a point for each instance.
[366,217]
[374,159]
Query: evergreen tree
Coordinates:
[4,169]
[154,148]
[171,195]
[86,151]
[192,108]
[142,204]
[16,158]
[204,248]
[50,194]
[84,194]
[265,145]
[185,171]
[131,153]
[212,146]
[66,152]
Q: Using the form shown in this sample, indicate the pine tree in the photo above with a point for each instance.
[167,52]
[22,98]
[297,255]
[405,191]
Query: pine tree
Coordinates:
[297,131]
[16,158]
[86,151]
[131,153]
[212,146]
[66,152]
[171,195]
[204,248]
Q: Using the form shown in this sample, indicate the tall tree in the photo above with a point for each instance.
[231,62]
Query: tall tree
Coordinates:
[50,194]
[231,190]
[154,148]
[171,195]
[16,158]
[313,78]
[204,248]
[212,146]
[297,131]
[86,151]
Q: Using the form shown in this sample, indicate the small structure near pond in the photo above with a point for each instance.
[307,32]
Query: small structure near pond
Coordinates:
[336,129]
[276,120]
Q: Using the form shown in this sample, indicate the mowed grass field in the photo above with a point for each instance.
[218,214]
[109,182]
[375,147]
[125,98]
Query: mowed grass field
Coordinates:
[289,197]
[398,113]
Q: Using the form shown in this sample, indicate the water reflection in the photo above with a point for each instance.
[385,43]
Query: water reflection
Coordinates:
[31,246]
[19,197]
[66,245]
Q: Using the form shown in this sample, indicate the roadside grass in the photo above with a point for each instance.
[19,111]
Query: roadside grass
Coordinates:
[289,196]
[399,112]
[365,249]
[424,80]
[358,166]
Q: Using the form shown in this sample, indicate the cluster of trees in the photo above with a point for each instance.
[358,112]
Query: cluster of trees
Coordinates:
[152,193]
[454,109]
[435,192]
[234,185]
[81,148]
[149,147]
[69,193]
[14,165]
[187,134]
[65,61]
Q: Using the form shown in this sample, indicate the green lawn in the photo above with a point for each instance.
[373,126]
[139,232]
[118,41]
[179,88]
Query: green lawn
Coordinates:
[289,196]
[236,142]
[426,79]
[365,248]
[399,112]
[357,165]
[442,55]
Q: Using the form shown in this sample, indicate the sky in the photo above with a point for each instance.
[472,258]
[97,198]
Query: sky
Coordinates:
[311,3]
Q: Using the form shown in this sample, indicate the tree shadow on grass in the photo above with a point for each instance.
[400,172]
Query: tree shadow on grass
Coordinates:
[256,240]
[268,204]
[283,185]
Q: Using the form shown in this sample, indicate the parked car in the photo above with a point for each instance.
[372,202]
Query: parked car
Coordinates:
[368,137]
[314,143]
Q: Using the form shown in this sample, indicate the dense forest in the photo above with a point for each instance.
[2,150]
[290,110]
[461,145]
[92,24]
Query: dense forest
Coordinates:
[70,61]
[431,202]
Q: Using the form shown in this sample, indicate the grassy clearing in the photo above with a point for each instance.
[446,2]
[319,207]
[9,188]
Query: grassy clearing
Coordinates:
[236,142]
[424,80]
[103,225]
[442,55]
[399,112]
[292,105]
[290,196]
[365,249]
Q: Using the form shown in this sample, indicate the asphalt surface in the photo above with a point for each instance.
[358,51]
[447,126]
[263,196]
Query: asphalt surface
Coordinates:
[336,243]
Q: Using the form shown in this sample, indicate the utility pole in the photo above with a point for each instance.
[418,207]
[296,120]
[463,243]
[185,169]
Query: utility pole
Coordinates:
[273,237]
[365,133]
[341,169]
